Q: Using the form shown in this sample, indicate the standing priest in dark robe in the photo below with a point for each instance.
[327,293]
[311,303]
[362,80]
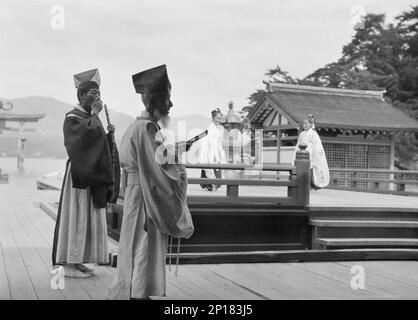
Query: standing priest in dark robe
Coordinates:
[81,231]
[155,205]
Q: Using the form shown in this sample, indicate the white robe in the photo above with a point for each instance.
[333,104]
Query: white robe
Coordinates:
[317,156]
[154,207]
[211,148]
[82,236]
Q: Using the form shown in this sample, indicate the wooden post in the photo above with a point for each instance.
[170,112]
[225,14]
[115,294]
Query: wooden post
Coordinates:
[291,191]
[392,186]
[258,143]
[232,191]
[20,146]
[278,144]
[354,183]
[278,151]
[303,180]
[230,148]
[400,187]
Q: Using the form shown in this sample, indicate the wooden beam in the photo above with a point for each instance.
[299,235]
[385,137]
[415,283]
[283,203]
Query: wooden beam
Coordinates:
[299,255]
[367,242]
[240,200]
[288,138]
[280,127]
[396,181]
[282,111]
[302,164]
[352,140]
[403,172]
[278,147]
[401,193]
[257,167]
[273,116]
[242,182]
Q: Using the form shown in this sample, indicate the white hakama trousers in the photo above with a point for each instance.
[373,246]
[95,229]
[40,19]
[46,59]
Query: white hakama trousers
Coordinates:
[141,254]
[82,236]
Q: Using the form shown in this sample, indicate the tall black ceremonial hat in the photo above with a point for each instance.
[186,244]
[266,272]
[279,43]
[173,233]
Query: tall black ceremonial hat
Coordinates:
[154,79]
[87,79]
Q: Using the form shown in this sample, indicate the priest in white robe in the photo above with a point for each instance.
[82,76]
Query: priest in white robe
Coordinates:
[155,195]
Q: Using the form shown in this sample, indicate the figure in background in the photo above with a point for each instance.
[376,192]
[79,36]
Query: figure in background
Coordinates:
[319,167]
[81,231]
[155,205]
[211,149]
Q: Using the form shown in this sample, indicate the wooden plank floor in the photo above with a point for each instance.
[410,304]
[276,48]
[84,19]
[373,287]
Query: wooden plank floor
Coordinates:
[25,263]
[325,198]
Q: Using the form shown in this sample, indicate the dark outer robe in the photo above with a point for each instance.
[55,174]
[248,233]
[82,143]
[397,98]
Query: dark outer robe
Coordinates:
[90,153]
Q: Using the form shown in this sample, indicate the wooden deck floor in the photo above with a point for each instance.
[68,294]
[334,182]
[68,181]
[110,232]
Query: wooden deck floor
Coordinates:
[25,264]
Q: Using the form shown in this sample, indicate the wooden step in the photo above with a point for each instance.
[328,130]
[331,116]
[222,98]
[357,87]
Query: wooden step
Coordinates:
[364,223]
[295,255]
[366,242]
[364,213]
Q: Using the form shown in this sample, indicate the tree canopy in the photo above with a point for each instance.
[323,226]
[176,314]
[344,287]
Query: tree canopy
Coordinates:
[380,56]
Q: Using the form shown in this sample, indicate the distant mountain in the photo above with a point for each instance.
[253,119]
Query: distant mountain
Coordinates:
[55,111]
[46,138]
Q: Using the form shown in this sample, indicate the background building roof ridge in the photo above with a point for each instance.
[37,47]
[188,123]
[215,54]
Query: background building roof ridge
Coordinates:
[275,87]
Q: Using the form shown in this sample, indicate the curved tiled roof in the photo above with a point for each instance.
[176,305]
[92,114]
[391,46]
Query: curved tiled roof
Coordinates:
[336,108]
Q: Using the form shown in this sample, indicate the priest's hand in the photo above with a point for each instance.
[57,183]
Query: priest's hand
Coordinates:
[111,128]
[97,106]
[182,146]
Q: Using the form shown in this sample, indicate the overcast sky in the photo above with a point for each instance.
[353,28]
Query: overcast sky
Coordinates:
[215,51]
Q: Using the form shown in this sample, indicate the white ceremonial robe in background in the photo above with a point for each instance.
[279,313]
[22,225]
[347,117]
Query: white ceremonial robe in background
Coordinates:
[317,156]
[154,207]
[211,148]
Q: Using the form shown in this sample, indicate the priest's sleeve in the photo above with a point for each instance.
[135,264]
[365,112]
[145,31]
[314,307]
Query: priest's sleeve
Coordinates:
[88,150]
[164,187]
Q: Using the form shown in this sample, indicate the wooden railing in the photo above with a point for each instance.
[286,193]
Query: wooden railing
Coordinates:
[244,223]
[393,181]
[297,182]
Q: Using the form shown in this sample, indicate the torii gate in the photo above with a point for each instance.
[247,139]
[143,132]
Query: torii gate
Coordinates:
[22,119]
